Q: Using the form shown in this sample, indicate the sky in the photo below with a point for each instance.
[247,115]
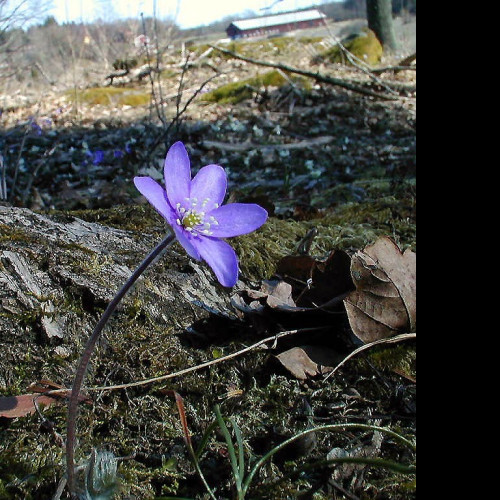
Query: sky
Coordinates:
[187,13]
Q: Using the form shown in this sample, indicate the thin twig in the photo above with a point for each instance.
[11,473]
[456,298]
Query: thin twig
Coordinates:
[178,116]
[192,369]
[203,365]
[390,340]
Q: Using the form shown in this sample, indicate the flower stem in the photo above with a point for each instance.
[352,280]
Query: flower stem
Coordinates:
[87,354]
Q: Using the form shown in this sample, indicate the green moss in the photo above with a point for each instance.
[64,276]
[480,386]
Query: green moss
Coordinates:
[350,227]
[236,92]
[366,47]
[111,96]
[25,471]
[401,359]
[11,234]
[308,40]
[252,48]
[138,218]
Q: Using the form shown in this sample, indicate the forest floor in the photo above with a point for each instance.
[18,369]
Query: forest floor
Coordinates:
[316,156]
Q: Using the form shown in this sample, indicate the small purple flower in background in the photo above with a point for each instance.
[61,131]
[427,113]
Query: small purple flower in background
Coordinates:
[95,157]
[128,148]
[118,154]
[193,208]
[35,127]
[98,157]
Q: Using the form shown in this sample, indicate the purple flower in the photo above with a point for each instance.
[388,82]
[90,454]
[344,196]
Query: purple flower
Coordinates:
[35,127]
[95,157]
[193,208]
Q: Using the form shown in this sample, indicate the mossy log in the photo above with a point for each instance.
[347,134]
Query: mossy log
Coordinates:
[57,273]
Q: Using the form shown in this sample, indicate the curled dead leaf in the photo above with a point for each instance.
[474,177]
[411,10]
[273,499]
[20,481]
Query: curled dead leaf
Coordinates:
[318,282]
[384,302]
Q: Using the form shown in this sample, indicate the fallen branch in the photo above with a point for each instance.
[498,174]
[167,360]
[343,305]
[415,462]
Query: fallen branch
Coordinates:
[403,65]
[309,74]
[248,146]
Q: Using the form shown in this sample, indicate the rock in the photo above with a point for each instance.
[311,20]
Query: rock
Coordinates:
[363,45]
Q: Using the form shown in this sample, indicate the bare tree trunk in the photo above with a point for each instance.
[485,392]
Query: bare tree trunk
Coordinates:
[379,14]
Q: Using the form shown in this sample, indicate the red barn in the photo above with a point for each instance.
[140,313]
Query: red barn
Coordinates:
[273,25]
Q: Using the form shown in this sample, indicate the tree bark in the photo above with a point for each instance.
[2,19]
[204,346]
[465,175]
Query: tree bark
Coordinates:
[379,14]
[57,274]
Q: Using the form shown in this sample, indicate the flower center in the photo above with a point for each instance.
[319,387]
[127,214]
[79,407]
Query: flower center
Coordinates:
[191,220]
[195,220]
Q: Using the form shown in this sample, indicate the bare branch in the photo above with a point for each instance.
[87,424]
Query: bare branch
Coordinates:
[309,74]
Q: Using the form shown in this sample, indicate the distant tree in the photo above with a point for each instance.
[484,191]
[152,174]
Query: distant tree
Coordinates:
[379,14]
[50,21]
[14,16]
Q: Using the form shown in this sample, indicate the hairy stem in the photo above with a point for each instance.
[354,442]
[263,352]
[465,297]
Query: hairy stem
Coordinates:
[87,354]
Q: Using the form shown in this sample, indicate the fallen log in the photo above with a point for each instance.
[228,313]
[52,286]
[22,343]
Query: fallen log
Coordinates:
[57,274]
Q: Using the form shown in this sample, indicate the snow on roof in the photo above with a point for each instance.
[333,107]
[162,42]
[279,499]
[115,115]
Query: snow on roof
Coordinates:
[279,19]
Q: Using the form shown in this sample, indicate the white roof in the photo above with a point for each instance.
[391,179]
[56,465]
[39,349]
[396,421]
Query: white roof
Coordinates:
[276,20]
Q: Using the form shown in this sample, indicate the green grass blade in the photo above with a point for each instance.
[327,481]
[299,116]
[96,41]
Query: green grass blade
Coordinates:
[232,452]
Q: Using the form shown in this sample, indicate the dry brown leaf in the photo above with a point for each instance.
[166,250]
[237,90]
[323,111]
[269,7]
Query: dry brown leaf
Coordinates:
[20,406]
[298,267]
[308,361]
[275,293]
[384,303]
[318,282]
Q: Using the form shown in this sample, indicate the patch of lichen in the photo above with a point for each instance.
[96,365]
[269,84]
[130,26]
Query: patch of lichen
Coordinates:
[111,96]
[233,93]
[365,47]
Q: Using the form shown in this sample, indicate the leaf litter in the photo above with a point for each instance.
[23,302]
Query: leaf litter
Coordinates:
[376,286]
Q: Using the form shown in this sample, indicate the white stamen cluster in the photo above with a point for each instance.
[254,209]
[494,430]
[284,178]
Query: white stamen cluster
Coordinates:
[194,218]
